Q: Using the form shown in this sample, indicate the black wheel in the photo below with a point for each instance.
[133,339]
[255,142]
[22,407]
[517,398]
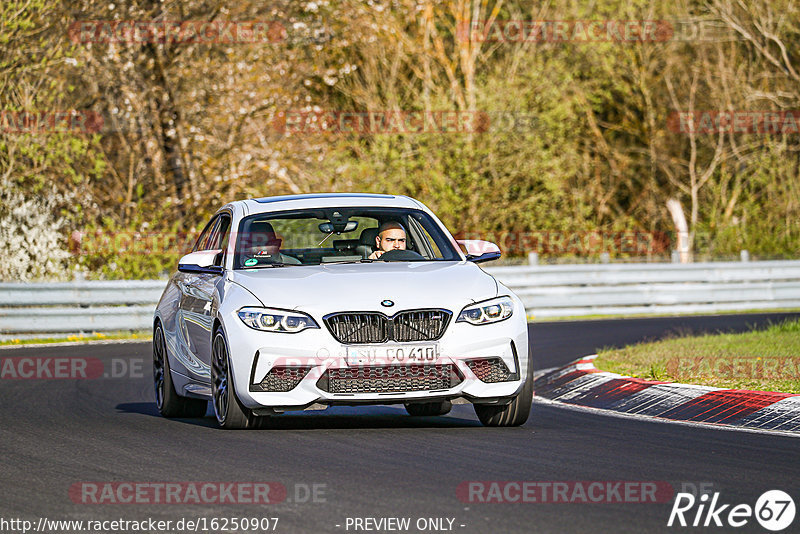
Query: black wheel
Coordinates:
[429,409]
[169,403]
[230,413]
[513,414]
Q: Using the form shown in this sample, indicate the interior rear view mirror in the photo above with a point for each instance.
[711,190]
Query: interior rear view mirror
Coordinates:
[338,227]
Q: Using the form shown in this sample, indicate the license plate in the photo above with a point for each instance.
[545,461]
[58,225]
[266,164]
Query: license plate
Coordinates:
[392,354]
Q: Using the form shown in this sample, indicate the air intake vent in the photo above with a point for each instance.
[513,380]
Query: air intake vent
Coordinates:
[490,370]
[390,379]
[281,379]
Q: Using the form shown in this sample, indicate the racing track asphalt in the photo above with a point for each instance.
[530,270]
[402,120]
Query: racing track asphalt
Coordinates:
[375,462]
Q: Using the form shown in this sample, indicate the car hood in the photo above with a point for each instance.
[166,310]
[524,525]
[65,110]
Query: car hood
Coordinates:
[362,286]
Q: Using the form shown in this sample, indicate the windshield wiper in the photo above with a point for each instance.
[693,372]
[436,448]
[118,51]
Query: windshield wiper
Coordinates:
[275,264]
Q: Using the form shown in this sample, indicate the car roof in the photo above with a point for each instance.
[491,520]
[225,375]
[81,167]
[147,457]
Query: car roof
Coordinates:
[328,200]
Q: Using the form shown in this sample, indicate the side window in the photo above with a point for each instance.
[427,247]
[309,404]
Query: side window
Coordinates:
[428,246]
[436,252]
[225,232]
[203,239]
[219,235]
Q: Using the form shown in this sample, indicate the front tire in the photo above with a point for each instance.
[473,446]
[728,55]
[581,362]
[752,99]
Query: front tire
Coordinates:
[516,412]
[428,409]
[230,413]
[168,402]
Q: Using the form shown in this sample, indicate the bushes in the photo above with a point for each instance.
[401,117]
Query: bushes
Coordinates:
[31,238]
[191,126]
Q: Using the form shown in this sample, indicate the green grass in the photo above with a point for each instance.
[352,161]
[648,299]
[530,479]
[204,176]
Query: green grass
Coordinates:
[760,360]
[97,336]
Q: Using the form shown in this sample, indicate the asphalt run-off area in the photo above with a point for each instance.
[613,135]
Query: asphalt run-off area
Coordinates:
[95,449]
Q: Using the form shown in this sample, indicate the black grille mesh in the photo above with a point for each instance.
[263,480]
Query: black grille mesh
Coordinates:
[422,325]
[489,369]
[358,327]
[281,379]
[371,327]
[390,379]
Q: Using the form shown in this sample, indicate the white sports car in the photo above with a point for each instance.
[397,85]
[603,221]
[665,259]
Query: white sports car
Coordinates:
[299,303]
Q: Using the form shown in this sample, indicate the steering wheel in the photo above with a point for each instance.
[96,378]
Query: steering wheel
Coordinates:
[401,255]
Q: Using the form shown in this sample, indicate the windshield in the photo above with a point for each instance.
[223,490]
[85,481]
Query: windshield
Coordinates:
[336,235]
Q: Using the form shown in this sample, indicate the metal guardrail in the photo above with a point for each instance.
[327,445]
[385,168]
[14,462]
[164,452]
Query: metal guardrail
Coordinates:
[546,290]
[621,289]
[70,307]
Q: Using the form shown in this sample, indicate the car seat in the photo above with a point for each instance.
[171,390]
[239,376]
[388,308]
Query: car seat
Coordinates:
[367,242]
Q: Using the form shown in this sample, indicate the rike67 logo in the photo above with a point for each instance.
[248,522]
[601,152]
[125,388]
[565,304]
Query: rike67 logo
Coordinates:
[774,510]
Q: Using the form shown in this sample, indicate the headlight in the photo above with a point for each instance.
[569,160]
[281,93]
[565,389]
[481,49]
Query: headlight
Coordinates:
[490,311]
[272,320]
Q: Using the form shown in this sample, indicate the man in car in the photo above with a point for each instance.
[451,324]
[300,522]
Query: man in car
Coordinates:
[391,236]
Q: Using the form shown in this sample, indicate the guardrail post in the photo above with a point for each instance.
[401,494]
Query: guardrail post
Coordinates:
[744,255]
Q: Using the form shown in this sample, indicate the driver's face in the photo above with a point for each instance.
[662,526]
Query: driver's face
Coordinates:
[392,239]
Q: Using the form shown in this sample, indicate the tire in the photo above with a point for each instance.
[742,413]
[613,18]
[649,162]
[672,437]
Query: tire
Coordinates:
[513,414]
[230,413]
[168,402]
[429,409]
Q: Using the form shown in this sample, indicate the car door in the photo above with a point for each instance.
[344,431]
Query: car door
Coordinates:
[198,301]
[194,310]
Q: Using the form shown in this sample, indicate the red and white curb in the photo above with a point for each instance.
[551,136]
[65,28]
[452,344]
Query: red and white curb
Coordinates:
[580,383]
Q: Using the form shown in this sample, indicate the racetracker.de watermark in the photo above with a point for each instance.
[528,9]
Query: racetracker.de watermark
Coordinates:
[564,31]
[131,242]
[565,492]
[550,242]
[177,492]
[575,243]
[196,492]
[397,364]
[69,368]
[50,121]
[597,31]
[377,122]
[769,122]
[771,368]
[177,31]
[150,524]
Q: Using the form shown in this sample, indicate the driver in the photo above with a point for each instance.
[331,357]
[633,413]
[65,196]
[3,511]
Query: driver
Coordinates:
[391,236]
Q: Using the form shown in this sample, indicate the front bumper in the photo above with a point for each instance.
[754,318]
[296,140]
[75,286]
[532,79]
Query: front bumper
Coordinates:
[254,354]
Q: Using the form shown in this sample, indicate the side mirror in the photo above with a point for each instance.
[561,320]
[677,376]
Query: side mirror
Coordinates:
[479,251]
[201,262]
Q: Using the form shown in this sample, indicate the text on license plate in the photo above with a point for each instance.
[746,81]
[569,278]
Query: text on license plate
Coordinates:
[392,354]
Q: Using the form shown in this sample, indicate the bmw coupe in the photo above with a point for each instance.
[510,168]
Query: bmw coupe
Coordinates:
[307,301]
